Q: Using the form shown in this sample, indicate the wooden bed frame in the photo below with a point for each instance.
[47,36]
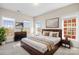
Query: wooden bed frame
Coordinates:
[33,51]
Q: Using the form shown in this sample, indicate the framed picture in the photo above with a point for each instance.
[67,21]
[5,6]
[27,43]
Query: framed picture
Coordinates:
[52,23]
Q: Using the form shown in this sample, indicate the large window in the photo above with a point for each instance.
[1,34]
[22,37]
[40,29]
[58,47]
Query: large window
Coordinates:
[38,26]
[8,22]
[27,26]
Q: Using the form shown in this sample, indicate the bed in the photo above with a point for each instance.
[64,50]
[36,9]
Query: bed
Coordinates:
[39,45]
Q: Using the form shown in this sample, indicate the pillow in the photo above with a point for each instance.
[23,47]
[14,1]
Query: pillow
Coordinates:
[54,34]
[46,33]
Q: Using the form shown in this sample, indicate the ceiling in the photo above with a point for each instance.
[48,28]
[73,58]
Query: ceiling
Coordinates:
[31,9]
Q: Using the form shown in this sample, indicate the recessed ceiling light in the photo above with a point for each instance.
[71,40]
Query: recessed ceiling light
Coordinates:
[36,4]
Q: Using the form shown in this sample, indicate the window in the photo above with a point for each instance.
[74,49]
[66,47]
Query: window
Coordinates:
[8,22]
[27,26]
[38,26]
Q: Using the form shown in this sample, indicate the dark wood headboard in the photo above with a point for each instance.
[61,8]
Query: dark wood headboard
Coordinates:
[54,30]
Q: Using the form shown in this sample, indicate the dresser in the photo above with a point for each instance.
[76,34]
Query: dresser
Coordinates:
[19,35]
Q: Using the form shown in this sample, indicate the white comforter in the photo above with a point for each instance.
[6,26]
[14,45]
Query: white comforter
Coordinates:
[37,45]
[40,46]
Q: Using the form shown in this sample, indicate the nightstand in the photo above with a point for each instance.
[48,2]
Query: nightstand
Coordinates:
[66,43]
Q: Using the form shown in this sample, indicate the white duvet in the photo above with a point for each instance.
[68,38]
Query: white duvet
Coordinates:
[40,46]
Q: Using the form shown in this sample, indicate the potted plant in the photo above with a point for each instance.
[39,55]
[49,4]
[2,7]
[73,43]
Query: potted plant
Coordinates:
[2,35]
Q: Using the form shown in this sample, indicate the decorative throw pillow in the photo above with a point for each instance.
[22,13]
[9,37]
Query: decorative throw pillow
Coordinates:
[46,33]
[54,34]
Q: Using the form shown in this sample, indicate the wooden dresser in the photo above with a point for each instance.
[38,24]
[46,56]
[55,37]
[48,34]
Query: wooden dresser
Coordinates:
[19,35]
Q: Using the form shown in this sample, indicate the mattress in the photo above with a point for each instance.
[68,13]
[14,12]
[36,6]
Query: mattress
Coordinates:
[38,46]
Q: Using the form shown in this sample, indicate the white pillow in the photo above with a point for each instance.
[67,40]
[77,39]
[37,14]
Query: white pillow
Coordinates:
[54,34]
[46,33]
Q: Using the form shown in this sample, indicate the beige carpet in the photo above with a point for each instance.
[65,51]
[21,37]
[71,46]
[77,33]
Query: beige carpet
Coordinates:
[12,49]
[15,49]
[66,51]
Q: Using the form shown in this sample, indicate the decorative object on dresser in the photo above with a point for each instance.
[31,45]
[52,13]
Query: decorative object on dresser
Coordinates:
[19,25]
[66,42]
[19,35]
[52,23]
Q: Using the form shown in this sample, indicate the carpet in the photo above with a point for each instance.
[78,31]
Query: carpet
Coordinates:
[14,48]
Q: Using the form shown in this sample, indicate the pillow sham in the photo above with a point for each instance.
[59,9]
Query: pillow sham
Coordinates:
[54,34]
[46,33]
